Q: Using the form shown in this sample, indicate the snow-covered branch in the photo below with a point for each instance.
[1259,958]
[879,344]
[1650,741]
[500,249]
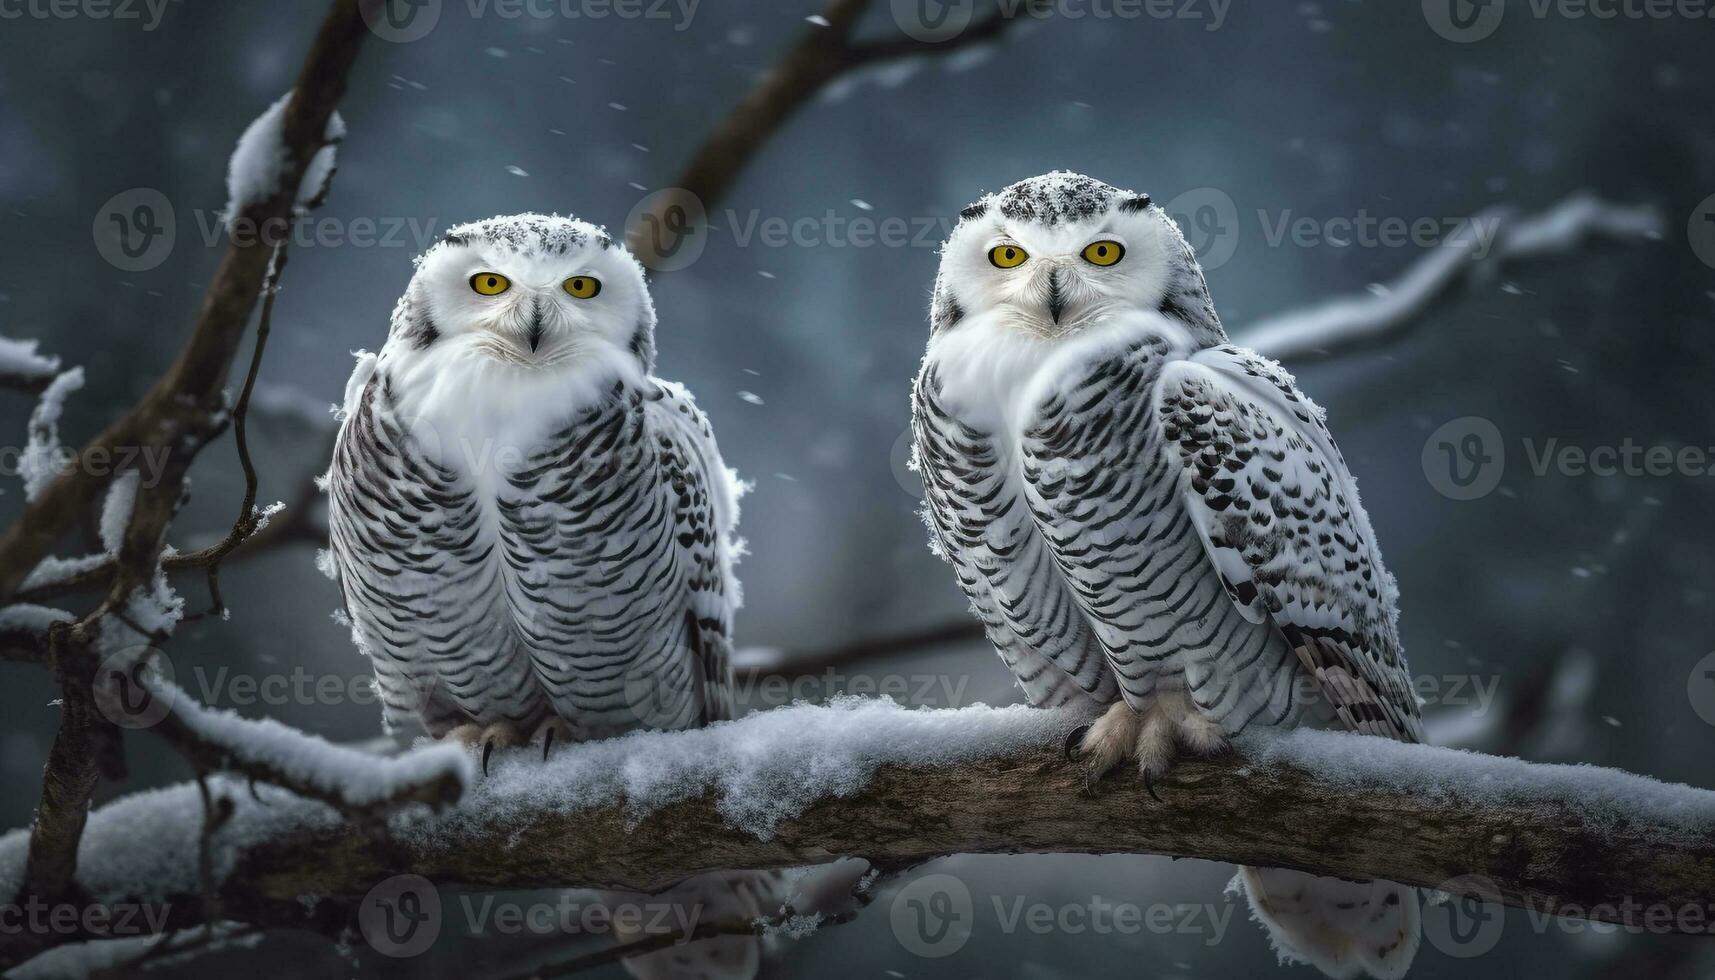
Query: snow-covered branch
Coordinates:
[810,784]
[1343,323]
[355,783]
[22,368]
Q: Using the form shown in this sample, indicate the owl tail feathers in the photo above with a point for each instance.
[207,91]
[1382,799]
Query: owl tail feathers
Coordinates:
[1346,929]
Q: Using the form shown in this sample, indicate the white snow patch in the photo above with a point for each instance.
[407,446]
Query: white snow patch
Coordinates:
[52,570]
[259,162]
[764,769]
[117,508]
[43,456]
[359,779]
[1611,799]
[24,618]
[18,359]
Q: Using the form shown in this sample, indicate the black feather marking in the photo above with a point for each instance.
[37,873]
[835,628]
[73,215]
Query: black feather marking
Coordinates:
[1135,204]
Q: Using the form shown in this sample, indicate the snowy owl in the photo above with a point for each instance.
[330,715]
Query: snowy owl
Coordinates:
[1148,518]
[533,535]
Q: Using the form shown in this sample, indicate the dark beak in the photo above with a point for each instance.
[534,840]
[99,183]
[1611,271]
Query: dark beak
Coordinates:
[1056,296]
[536,328]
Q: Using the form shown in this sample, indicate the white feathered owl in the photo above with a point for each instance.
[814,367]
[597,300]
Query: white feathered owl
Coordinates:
[1147,517]
[534,536]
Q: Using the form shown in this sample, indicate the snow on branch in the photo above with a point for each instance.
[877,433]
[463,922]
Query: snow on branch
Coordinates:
[1354,321]
[810,784]
[355,783]
[22,368]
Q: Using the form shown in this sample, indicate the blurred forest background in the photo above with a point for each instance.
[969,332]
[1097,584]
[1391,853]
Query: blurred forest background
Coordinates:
[1586,596]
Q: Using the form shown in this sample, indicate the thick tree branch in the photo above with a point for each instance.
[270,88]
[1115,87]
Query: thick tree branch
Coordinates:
[901,786]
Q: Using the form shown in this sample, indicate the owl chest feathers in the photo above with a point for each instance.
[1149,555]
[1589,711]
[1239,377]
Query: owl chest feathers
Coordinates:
[1021,393]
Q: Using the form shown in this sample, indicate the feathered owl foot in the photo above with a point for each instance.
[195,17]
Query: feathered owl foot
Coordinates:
[1152,737]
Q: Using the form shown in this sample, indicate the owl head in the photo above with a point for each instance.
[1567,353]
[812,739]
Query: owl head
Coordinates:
[529,290]
[1054,254]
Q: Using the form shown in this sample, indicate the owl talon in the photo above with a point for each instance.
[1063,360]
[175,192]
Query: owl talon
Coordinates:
[548,731]
[1149,786]
[487,750]
[1074,740]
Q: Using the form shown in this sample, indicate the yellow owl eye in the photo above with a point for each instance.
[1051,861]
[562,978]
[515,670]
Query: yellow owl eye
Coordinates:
[490,283]
[583,287]
[1007,256]
[1104,252]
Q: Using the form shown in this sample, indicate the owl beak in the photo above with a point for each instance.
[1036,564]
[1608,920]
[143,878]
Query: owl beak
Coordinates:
[1056,296]
[535,333]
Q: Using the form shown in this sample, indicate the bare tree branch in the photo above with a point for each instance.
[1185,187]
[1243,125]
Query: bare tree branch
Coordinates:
[823,52]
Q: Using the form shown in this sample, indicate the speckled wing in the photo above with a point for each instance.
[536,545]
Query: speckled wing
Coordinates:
[705,524]
[979,523]
[1104,500]
[1279,517]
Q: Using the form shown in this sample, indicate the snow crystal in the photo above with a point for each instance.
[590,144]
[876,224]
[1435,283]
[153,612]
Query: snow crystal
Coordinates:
[259,163]
[42,457]
[267,513]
